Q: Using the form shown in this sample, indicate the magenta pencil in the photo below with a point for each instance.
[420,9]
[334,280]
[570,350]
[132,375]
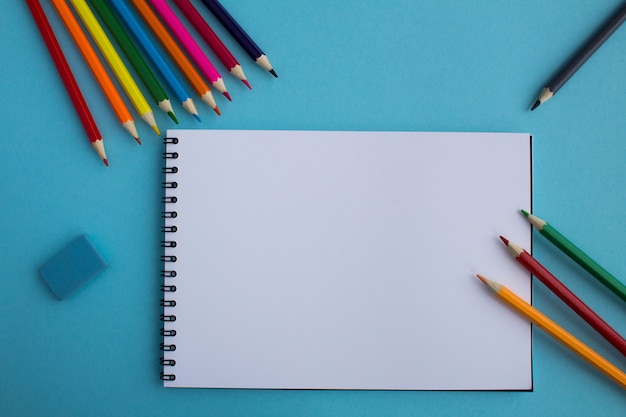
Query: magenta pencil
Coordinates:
[190,45]
[211,39]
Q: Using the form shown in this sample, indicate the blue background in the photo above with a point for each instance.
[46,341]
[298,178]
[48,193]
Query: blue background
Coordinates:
[449,65]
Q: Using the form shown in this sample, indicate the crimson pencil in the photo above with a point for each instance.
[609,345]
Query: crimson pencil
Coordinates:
[211,38]
[566,295]
[68,78]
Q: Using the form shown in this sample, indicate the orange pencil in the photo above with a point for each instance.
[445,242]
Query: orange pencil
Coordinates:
[96,67]
[175,52]
[542,321]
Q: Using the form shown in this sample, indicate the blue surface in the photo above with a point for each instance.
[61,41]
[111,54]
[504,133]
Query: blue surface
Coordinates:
[345,65]
[72,267]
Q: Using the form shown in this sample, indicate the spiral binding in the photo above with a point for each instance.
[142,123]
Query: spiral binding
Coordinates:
[168,271]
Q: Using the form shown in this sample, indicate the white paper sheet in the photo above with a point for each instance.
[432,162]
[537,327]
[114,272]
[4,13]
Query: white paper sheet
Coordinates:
[347,260]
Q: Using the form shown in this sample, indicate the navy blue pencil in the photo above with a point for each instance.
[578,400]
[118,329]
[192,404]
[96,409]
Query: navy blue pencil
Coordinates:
[239,34]
[583,54]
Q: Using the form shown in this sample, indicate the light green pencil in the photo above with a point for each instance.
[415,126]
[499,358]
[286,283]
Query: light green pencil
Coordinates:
[580,257]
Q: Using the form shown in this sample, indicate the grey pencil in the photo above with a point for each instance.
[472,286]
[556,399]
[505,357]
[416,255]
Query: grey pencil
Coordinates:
[583,54]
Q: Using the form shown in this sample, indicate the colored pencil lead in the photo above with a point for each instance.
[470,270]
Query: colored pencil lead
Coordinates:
[273,73]
[197,118]
[173,116]
[537,103]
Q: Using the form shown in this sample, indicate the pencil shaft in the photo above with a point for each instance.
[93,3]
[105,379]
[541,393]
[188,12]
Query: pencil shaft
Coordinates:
[189,44]
[560,334]
[570,299]
[588,49]
[233,27]
[97,69]
[211,38]
[115,62]
[151,50]
[130,50]
[240,35]
[67,77]
[194,78]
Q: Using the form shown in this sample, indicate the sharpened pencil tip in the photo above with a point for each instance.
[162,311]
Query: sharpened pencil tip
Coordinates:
[172,116]
[525,213]
[217,110]
[106,162]
[505,240]
[156,130]
[273,73]
[247,84]
[197,117]
[227,95]
[537,103]
[138,140]
[483,279]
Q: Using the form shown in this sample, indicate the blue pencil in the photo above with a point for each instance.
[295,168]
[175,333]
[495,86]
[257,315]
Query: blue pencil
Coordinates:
[155,56]
[239,34]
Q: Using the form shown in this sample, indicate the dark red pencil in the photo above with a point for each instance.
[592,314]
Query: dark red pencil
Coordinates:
[68,78]
[566,295]
[211,38]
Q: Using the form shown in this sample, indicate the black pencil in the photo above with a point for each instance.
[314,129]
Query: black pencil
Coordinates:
[582,55]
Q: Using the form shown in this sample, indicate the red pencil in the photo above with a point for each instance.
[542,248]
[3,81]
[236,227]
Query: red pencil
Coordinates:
[566,295]
[211,38]
[68,78]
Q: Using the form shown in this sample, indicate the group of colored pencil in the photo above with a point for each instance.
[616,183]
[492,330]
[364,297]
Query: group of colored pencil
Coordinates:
[136,45]
[567,296]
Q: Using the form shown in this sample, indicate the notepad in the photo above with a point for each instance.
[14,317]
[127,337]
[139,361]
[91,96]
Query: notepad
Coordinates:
[343,260]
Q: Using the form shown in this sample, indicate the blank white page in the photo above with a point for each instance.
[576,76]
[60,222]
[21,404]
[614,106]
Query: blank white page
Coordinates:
[347,260]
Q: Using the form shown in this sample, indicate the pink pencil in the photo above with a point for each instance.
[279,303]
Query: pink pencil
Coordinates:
[190,45]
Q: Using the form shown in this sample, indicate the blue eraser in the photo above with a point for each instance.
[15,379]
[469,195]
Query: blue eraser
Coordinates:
[72,267]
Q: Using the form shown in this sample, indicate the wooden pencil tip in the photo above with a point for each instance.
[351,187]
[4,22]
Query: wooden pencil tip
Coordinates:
[537,103]
[197,117]
[172,116]
[138,140]
[217,110]
[247,84]
[156,130]
[525,213]
[227,95]
[273,73]
[505,240]
[106,161]
[482,278]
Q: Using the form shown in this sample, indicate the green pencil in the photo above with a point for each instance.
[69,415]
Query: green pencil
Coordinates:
[135,58]
[580,257]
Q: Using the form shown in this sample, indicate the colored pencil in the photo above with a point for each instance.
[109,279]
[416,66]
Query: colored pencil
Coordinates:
[212,40]
[190,45]
[132,53]
[566,295]
[580,257]
[237,32]
[582,55]
[155,56]
[542,321]
[179,58]
[115,62]
[68,78]
[96,67]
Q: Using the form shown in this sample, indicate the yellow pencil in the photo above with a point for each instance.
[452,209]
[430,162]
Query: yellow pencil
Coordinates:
[540,320]
[115,62]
